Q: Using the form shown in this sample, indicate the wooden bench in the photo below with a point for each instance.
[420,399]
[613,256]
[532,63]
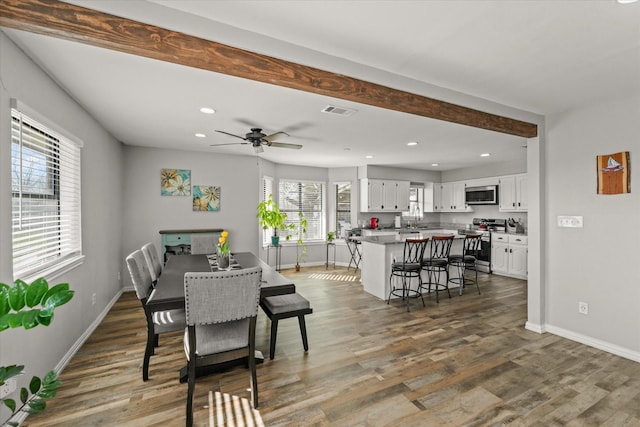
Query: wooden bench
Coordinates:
[282,307]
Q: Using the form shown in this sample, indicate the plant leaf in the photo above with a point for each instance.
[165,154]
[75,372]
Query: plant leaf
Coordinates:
[59,298]
[57,288]
[50,378]
[11,371]
[36,405]
[11,404]
[4,299]
[15,319]
[34,384]
[16,295]
[45,319]
[4,322]
[24,395]
[30,319]
[35,292]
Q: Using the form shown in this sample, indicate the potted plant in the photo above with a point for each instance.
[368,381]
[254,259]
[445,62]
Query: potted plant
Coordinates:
[302,229]
[27,306]
[331,235]
[270,216]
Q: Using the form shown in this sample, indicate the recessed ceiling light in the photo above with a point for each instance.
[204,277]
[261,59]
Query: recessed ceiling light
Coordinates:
[207,110]
[412,143]
[435,164]
[200,135]
[485,154]
[626,1]
[368,156]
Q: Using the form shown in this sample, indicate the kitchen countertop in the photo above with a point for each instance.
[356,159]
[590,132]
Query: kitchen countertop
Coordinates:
[392,240]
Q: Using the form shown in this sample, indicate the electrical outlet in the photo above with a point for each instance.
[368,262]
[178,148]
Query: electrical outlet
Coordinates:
[8,387]
[570,221]
[93,299]
[583,308]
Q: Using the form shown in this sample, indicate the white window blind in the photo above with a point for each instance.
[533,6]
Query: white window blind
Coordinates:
[267,189]
[306,197]
[45,189]
[343,208]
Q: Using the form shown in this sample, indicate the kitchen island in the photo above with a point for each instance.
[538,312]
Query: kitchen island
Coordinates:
[378,252]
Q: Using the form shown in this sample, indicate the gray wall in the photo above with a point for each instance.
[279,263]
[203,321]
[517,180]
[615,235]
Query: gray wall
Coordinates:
[42,348]
[597,264]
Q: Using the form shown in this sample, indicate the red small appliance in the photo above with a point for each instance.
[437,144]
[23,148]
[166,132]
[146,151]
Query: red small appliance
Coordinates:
[374,222]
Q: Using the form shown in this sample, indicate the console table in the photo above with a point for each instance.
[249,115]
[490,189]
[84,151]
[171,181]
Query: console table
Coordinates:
[178,242]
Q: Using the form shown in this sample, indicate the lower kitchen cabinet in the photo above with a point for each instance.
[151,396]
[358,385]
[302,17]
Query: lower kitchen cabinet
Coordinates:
[509,255]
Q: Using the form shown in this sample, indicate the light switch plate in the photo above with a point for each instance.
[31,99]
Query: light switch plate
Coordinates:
[570,221]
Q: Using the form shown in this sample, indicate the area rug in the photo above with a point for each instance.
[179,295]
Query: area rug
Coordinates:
[227,410]
[336,277]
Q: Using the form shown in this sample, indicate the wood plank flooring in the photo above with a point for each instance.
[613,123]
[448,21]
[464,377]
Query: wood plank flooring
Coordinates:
[467,361]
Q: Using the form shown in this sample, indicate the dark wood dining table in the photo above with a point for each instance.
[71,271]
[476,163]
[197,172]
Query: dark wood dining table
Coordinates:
[169,291]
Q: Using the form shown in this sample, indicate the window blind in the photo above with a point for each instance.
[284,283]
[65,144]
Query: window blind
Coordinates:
[45,189]
[267,189]
[306,197]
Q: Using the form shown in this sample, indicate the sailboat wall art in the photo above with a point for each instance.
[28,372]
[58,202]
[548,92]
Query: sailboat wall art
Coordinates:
[613,173]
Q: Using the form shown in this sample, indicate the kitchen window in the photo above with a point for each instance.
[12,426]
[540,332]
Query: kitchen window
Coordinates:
[45,199]
[306,197]
[416,202]
[343,209]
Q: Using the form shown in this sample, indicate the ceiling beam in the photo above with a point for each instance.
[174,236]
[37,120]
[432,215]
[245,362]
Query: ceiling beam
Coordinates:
[75,23]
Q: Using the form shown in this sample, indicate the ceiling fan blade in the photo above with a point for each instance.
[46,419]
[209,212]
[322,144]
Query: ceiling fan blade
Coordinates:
[229,143]
[230,134]
[273,136]
[284,145]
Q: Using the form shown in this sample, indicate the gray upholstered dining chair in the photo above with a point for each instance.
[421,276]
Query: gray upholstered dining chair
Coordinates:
[153,261]
[203,244]
[221,309]
[158,322]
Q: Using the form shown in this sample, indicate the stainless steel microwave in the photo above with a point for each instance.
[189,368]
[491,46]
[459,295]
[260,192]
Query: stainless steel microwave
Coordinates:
[485,195]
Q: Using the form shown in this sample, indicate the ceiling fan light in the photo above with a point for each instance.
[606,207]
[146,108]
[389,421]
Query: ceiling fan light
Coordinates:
[258,149]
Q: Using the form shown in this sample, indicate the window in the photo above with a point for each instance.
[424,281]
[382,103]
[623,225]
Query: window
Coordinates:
[267,189]
[305,197]
[416,202]
[45,198]
[343,209]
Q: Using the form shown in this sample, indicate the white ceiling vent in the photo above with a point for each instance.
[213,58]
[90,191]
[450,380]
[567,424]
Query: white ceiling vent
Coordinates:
[332,109]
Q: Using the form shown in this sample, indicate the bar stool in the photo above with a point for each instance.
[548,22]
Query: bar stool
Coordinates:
[466,261]
[408,268]
[353,244]
[437,263]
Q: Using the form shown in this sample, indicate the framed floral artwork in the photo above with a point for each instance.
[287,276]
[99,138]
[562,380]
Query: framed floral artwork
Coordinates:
[206,198]
[175,182]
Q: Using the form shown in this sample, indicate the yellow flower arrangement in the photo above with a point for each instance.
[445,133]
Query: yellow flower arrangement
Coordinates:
[223,244]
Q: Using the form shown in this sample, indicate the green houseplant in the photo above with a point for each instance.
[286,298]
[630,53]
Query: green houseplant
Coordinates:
[331,235]
[302,229]
[270,216]
[27,306]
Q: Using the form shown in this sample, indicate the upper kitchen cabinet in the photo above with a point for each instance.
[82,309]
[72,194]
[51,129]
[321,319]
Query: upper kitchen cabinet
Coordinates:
[513,193]
[383,195]
[452,197]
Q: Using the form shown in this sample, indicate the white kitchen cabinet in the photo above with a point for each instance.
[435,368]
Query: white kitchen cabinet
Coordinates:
[380,195]
[513,193]
[438,206]
[453,197]
[509,255]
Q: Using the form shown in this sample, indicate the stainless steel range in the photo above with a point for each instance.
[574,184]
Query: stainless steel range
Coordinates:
[485,226]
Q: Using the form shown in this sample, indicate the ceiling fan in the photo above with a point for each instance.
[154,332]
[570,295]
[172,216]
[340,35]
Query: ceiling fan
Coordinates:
[257,139]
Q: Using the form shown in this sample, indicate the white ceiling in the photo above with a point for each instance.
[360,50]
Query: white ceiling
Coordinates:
[538,57]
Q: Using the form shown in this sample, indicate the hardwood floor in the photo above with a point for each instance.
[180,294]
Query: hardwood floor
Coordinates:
[466,361]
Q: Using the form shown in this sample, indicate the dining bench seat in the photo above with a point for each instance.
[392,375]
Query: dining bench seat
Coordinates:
[282,307]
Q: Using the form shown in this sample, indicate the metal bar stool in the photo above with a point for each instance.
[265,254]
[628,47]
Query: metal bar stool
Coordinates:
[466,261]
[408,268]
[353,243]
[437,263]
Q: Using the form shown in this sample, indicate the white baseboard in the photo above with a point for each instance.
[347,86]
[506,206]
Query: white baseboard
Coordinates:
[76,346]
[593,342]
[534,327]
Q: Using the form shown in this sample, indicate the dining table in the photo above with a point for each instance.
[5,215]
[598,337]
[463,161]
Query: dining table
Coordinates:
[168,293]
[169,290]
